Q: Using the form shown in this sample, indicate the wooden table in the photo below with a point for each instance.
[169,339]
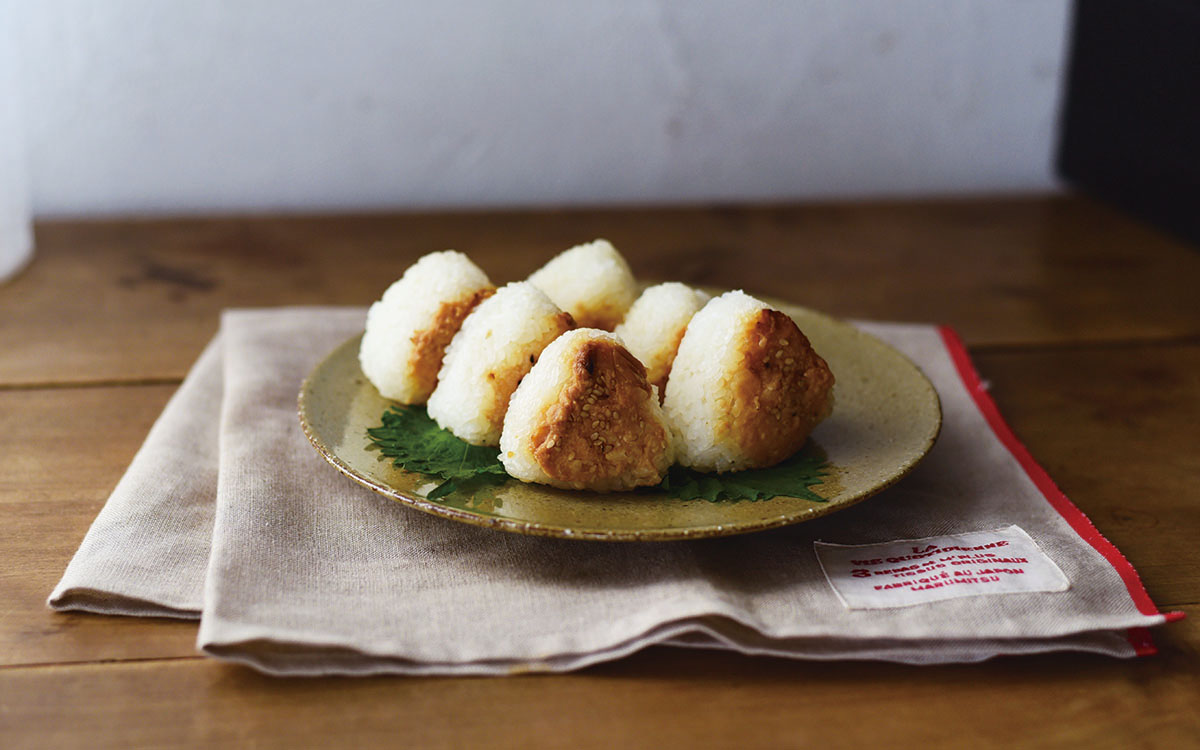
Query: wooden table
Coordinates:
[1086,324]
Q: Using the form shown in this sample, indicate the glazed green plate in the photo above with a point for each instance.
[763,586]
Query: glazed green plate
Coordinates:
[885,419]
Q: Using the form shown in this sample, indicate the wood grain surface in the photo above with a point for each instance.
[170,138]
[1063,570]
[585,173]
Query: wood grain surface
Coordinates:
[1085,324]
[115,301]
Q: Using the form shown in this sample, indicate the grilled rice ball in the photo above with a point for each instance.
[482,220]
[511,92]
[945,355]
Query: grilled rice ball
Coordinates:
[746,387]
[591,281]
[497,344]
[586,418]
[409,328]
[654,326]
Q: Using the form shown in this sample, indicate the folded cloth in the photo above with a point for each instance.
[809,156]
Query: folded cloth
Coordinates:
[227,513]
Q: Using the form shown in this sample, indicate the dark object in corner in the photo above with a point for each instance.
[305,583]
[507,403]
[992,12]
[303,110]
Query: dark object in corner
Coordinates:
[1131,122]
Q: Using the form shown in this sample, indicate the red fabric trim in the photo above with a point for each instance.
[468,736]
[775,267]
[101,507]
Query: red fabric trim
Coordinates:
[1143,644]
[1139,638]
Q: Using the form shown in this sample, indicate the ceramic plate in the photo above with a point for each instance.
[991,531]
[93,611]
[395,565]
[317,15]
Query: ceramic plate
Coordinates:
[885,419]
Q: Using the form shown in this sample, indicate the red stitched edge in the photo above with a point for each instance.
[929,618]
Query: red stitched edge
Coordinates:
[1139,638]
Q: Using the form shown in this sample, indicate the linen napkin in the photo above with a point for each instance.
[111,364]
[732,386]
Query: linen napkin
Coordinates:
[228,514]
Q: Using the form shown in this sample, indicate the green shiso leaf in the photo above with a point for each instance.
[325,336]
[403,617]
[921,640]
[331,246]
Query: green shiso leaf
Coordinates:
[415,443]
[791,478]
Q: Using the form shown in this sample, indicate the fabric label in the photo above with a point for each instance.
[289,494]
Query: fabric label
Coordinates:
[906,572]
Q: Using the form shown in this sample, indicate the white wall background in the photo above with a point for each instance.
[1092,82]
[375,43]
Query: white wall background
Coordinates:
[241,105]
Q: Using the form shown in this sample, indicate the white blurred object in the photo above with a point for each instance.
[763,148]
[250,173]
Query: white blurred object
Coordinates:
[16,235]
